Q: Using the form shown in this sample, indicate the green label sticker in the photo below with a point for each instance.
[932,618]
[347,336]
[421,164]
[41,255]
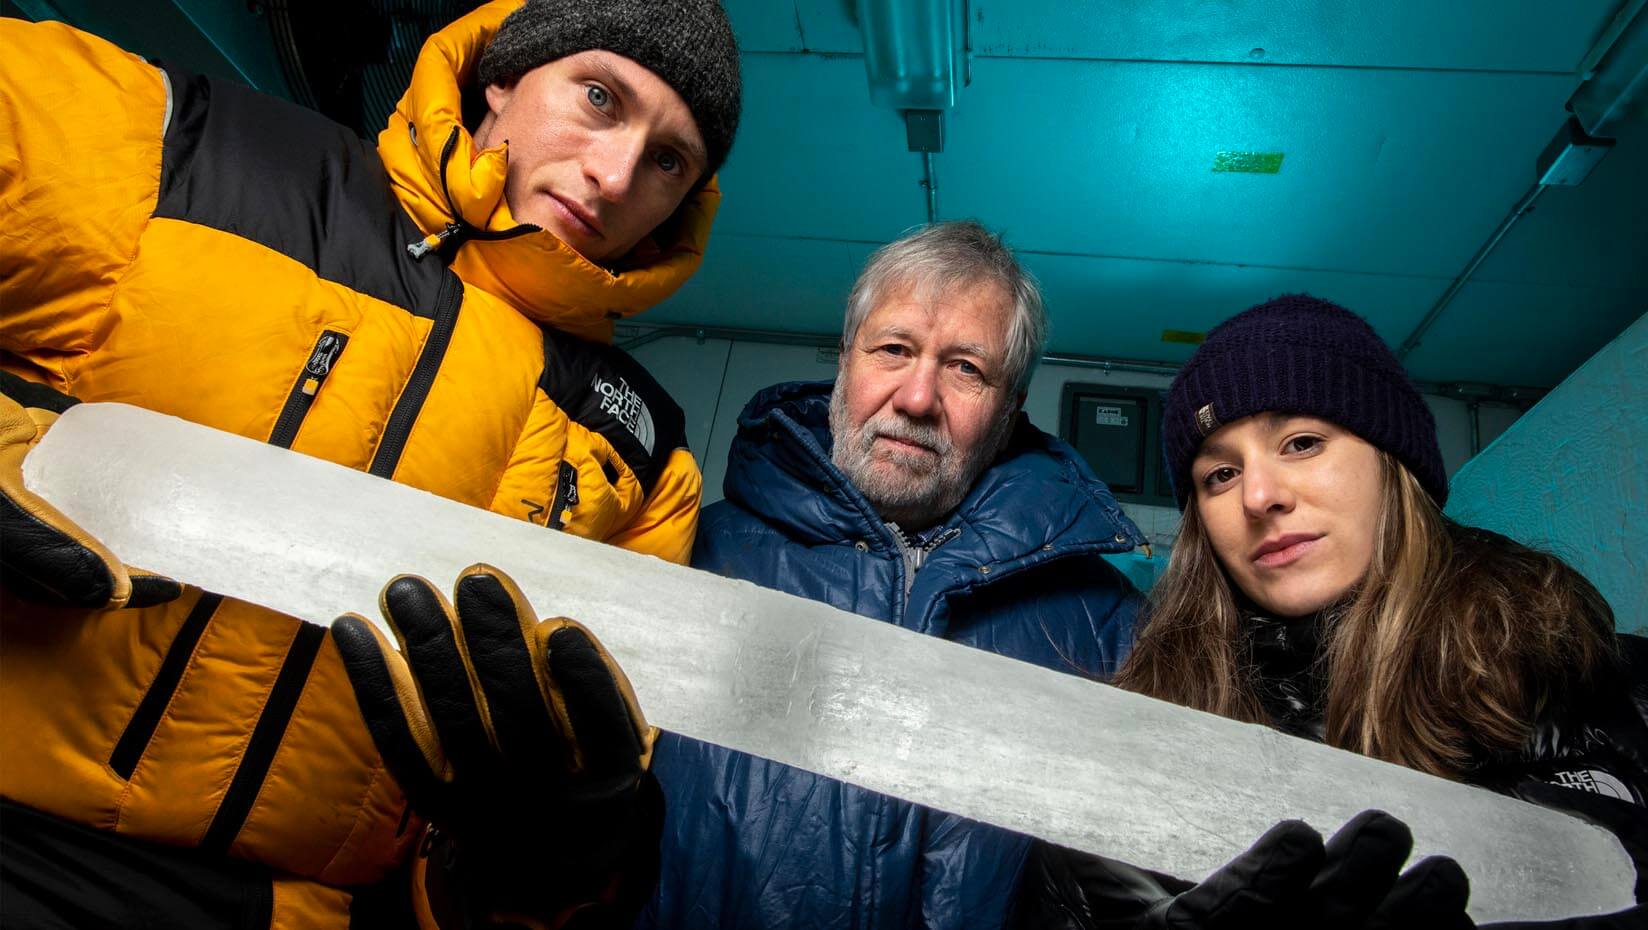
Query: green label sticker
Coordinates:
[1184,336]
[1248,162]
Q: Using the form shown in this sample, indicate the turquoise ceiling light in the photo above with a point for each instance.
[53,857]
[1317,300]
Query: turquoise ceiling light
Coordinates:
[913,51]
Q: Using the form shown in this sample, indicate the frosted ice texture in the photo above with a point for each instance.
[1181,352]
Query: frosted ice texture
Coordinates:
[991,738]
[1571,476]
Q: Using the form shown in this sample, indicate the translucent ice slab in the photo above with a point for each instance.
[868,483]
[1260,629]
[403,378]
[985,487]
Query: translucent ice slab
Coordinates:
[1049,754]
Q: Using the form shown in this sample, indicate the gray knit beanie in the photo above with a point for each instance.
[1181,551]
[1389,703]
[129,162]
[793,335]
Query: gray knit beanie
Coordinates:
[687,43]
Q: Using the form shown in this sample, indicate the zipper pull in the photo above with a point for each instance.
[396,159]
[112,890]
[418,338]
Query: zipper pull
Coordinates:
[432,242]
[321,360]
[566,495]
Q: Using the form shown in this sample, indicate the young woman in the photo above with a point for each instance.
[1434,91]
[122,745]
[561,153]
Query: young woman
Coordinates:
[1316,586]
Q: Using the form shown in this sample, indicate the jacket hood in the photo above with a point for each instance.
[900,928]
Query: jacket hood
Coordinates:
[1039,499]
[537,273]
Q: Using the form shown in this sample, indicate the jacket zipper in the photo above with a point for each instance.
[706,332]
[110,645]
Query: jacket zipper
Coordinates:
[302,396]
[399,427]
[566,495]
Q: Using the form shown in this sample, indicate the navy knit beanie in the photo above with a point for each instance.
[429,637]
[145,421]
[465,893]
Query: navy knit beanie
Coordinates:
[1299,354]
[687,43]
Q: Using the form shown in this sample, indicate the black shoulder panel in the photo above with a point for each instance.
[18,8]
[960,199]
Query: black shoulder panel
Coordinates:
[32,394]
[290,179]
[604,389]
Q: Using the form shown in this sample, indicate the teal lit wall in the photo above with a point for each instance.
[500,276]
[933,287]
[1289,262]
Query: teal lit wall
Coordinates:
[1571,476]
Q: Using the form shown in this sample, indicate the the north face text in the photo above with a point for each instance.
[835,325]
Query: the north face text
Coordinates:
[622,403]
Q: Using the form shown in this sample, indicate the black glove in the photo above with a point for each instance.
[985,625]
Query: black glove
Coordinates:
[45,556]
[521,743]
[1625,820]
[1288,879]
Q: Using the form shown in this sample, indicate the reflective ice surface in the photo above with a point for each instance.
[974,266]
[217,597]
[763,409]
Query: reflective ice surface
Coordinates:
[955,728]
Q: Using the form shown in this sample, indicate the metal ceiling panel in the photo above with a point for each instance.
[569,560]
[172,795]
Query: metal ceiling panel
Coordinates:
[225,40]
[1119,307]
[758,282]
[1523,334]
[825,26]
[1501,35]
[1593,235]
[831,26]
[814,159]
[1395,172]
[764,26]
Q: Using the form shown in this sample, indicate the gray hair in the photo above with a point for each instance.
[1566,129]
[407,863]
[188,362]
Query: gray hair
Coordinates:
[947,255]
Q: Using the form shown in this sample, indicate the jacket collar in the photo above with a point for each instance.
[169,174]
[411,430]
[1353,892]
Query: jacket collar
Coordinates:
[537,273]
[1038,500]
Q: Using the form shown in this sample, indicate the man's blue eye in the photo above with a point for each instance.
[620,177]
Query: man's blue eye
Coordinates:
[597,96]
[668,162]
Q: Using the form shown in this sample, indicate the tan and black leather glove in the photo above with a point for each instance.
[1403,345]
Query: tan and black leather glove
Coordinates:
[45,556]
[521,743]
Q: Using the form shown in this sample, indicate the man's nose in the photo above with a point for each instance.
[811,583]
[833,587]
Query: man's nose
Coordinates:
[1265,490]
[613,163]
[917,396]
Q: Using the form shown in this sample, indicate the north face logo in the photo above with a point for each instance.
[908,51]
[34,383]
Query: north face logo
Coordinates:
[624,405]
[1595,782]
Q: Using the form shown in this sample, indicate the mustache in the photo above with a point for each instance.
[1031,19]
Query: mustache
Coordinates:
[903,429]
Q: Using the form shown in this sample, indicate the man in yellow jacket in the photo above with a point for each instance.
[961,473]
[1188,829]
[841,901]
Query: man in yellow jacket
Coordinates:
[437,312]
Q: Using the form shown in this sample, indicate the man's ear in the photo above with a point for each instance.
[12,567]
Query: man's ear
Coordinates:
[498,96]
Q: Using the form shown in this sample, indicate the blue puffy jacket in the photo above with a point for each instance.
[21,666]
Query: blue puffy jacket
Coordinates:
[752,843]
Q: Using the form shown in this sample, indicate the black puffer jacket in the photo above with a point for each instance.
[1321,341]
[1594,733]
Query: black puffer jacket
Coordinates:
[1598,744]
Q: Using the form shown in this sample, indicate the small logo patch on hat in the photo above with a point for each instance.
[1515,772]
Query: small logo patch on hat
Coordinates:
[1206,421]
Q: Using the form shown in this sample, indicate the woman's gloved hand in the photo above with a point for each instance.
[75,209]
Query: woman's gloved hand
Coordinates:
[1289,879]
[521,743]
[45,556]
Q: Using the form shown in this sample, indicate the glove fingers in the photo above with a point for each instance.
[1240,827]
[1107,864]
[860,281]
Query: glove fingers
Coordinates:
[1430,896]
[389,702]
[497,626]
[609,735]
[149,589]
[1264,886]
[46,556]
[1362,862]
[428,633]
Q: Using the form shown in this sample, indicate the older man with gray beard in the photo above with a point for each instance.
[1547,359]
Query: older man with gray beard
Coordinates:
[913,491]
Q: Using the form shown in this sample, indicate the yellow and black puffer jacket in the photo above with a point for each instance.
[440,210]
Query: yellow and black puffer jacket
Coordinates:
[193,247]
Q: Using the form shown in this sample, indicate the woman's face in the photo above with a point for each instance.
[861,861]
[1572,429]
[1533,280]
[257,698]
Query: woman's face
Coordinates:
[1291,505]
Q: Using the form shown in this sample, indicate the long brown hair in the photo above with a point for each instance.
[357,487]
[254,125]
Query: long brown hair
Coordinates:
[1452,647]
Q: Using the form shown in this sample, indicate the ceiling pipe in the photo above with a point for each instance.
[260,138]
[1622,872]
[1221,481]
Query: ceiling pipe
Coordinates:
[1475,409]
[929,180]
[1615,73]
[1610,35]
[1614,80]
[41,10]
[632,336]
[1510,220]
